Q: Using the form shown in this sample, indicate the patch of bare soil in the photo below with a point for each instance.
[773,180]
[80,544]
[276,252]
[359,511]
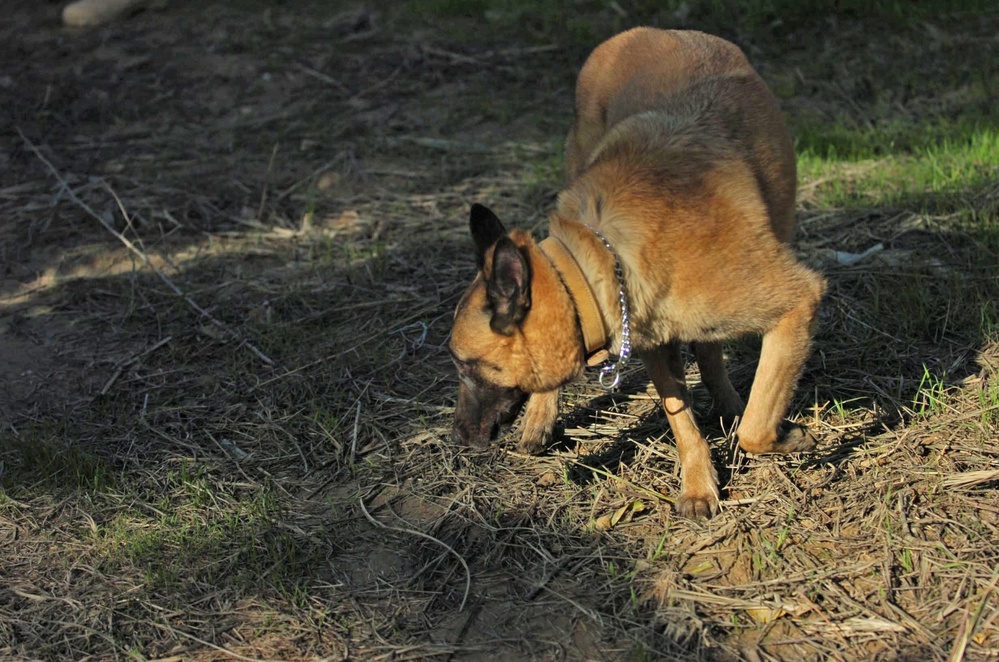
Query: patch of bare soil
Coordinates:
[231,238]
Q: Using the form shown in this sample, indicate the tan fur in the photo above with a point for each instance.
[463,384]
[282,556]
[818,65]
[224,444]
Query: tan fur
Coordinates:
[546,353]
[679,156]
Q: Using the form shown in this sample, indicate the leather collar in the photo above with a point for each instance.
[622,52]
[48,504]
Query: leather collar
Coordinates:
[590,320]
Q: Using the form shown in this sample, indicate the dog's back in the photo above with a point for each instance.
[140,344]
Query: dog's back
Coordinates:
[683,101]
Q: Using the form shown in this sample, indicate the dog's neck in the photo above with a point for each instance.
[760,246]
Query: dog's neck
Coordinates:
[602,312]
[591,321]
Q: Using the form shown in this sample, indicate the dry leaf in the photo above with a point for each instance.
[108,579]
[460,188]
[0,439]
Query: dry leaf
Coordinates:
[624,514]
[764,615]
[547,478]
[348,220]
[603,523]
[618,514]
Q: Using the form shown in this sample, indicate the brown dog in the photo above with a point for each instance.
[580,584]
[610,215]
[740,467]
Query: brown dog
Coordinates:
[681,178]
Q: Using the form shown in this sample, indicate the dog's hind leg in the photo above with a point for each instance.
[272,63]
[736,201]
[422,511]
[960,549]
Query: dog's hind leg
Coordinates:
[539,421]
[785,348]
[715,378]
[699,493]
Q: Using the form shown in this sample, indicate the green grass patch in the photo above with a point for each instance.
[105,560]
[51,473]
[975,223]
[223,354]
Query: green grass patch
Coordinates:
[853,176]
[857,177]
[40,456]
[931,394]
[197,528]
[988,399]
[838,141]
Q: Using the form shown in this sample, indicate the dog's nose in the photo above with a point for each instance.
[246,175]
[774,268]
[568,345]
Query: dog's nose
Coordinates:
[462,435]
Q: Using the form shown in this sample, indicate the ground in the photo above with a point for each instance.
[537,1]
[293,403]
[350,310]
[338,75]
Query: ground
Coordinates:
[231,238]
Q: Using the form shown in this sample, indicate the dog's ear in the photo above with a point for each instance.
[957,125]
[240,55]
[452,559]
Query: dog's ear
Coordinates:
[486,230]
[508,287]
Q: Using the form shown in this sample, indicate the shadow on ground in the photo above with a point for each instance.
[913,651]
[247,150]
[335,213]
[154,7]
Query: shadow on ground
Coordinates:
[260,462]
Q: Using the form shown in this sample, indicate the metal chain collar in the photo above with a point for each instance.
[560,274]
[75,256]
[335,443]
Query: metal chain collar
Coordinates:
[610,375]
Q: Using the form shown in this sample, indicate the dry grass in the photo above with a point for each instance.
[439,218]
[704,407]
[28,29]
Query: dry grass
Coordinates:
[227,438]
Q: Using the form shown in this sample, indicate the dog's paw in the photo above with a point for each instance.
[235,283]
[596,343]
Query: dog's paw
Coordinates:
[698,491]
[792,438]
[539,422]
[697,506]
[534,443]
[796,439]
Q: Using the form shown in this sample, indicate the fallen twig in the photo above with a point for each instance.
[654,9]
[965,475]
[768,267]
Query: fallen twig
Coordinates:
[135,357]
[420,534]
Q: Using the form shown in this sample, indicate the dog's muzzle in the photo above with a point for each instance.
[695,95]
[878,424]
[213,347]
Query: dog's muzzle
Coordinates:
[480,412]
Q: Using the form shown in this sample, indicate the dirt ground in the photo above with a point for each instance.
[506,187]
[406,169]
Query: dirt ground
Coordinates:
[231,238]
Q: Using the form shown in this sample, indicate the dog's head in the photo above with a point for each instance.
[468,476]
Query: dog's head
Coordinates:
[514,333]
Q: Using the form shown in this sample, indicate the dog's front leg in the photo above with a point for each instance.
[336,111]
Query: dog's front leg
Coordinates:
[539,421]
[782,357]
[699,491]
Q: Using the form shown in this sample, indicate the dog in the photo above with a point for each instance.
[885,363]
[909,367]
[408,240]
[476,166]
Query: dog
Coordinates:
[675,218]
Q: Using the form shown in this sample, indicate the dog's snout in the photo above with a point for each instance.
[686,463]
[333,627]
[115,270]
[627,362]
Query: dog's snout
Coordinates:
[459,436]
[478,435]
[481,410]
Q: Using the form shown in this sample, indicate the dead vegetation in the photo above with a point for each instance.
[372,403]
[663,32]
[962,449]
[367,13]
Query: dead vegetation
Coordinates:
[231,240]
